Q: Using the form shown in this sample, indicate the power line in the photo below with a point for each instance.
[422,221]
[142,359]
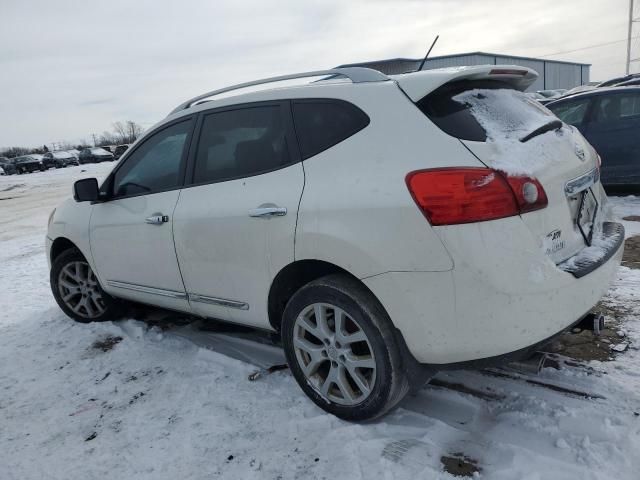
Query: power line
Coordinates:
[587,47]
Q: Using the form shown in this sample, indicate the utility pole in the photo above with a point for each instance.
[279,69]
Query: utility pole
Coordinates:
[94,135]
[629,35]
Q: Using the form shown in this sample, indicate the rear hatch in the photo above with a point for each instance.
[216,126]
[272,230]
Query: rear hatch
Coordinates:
[514,134]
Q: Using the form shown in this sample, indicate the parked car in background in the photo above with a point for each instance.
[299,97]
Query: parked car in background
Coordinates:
[546,96]
[617,80]
[609,118]
[7,165]
[59,159]
[2,171]
[119,150]
[29,163]
[108,148]
[629,83]
[380,250]
[95,155]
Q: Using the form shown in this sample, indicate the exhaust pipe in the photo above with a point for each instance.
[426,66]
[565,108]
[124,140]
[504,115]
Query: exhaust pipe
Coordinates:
[594,322]
[531,365]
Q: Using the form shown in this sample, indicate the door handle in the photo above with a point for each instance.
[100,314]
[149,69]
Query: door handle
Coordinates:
[157,219]
[265,211]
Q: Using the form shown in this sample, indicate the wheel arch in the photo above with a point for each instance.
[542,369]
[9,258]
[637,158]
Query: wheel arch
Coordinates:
[60,245]
[293,277]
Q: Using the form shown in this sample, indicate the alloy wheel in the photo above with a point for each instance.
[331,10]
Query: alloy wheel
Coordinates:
[79,290]
[334,354]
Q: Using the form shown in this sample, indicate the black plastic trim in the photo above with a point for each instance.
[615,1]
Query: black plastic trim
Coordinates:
[610,230]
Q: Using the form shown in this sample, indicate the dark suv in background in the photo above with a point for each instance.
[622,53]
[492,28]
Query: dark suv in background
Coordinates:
[119,151]
[95,155]
[59,159]
[7,165]
[29,163]
[609,118]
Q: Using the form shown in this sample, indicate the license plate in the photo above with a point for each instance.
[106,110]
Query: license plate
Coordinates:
[587,215]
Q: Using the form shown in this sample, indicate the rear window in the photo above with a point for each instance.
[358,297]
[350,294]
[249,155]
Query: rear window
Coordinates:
[469,109]
[321,124]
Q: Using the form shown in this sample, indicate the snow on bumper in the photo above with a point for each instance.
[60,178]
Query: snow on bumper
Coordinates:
[503,294]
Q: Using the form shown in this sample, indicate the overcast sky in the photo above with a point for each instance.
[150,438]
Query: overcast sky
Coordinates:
[69,69]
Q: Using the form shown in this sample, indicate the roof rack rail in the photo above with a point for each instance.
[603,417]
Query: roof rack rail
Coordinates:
[355,74]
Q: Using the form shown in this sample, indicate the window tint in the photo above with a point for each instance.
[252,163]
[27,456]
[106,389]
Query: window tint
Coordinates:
[321,124]
[241,143]
[572,113]
[155,165]
[617,107]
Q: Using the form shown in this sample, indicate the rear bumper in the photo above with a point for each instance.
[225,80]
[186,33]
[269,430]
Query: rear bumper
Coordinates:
[498,299]
[598,254]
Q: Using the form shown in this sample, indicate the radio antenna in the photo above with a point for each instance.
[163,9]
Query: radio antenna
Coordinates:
[427,55]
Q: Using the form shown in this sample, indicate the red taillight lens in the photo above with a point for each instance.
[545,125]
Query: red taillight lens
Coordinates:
[450,196]
[528,192]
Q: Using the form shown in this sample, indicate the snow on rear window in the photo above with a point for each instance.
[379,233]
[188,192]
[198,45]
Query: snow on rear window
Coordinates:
[507,116]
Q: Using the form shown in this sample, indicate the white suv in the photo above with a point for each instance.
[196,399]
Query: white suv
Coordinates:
[387,227]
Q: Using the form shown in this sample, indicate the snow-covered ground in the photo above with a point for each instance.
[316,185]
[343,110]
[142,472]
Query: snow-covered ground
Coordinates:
[159,405]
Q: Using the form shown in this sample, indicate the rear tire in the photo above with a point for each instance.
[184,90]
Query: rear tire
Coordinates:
[78,292]
[341,348]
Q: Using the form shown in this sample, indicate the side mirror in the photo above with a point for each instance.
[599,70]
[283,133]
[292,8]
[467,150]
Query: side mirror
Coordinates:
[86,190]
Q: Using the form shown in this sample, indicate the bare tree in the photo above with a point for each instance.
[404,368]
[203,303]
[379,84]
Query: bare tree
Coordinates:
[121,131]
[126,132]
[134,130]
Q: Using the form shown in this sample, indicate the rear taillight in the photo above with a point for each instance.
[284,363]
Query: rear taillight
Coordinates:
[450,196]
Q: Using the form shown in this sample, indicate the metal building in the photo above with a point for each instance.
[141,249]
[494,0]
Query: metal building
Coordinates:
[552,73]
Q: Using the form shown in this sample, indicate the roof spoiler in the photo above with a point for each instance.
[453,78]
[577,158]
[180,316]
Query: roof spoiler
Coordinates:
[418,84]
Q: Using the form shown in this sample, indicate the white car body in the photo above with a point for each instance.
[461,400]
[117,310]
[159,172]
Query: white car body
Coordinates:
[457,293]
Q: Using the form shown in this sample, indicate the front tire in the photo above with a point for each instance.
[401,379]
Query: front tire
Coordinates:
[341,348]
[77,290]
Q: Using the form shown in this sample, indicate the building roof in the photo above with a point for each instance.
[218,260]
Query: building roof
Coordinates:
[417,60]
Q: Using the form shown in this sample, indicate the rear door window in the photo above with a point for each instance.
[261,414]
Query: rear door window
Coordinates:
[240,143]
[322,123]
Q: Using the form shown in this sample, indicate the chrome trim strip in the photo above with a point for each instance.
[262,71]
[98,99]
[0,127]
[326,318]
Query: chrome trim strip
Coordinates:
[582,182]
[194,297]
[150,290]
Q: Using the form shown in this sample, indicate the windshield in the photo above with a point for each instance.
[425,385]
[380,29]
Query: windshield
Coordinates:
[98,151]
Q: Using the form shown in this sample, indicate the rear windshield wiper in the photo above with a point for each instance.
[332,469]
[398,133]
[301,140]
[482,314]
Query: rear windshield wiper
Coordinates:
[547,127]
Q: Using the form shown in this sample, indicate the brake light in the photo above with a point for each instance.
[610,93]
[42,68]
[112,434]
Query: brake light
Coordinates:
[450,196]
[507,71]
